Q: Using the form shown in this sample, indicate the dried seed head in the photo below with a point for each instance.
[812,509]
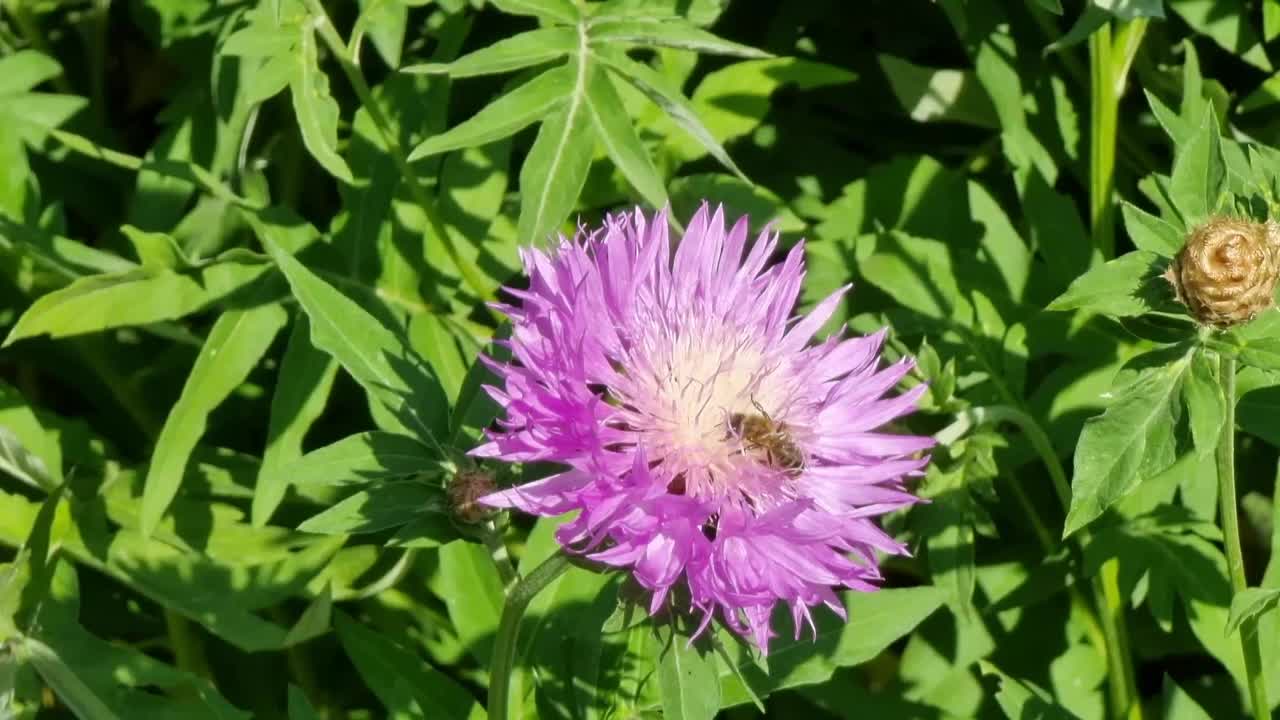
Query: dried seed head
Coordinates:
[465,490]
[1227,272]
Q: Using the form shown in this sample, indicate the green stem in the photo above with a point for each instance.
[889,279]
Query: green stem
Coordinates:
[1109,63]
[185,642]
[1103,109]
[492,536]
[1123,685]
[1226,456]
[505,644]
[471,274]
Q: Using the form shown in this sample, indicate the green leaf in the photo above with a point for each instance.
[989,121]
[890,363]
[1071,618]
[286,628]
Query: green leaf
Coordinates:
[235,345]
[1202,393]
[299,707]
[1250,604]
[672,33]
[507,115]
[660,91]
[561,11]
[384,21]
[555,169]
[1020,700]
[876,621]
[378,358]
[25,69]
[156,250]
[134,297]
[1131,9]
[406,686]
[472,591]
[1263,353]
[382,506]
[687,677]
[361,458]
[519,51]
[70,689]
[1128,443]
[1228,24]
[1199,173]
[302,389]
[315,108]
[618,135]
[1127,286]
[938,94]
[314,621]
[19,462]
[1150,233]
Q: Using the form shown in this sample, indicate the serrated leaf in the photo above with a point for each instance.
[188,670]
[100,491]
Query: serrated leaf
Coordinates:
[672,33]
[375,356]
[1250,604]
[1128,443]
[302,389]
[1199,173]
[519,51]
[618,135]
[688,679]
[1127,286]
[380,507]
[360,458]
[235,345]
[1206,409]
[507,115]
[1150,233]
[315,108]
[555,170]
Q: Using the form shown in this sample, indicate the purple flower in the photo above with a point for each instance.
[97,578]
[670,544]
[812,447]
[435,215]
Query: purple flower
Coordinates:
[706,438]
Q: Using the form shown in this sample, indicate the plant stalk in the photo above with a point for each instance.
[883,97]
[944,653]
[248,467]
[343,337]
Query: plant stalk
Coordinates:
[507,640]
[1229,504]
[1109,63]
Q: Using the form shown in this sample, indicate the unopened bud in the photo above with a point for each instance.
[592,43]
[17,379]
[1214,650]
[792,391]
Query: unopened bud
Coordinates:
[465,491]
[1227,272]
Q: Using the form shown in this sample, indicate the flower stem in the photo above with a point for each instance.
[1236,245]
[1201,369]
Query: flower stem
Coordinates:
[1226,456]
[506,642]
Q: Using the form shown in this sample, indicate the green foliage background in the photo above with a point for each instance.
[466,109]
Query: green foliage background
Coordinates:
[246,250]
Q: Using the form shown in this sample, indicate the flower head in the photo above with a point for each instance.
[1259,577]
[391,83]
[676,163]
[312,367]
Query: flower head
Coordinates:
[706,437]
[1227,272]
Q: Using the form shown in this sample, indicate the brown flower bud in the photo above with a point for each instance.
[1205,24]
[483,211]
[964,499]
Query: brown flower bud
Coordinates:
[465,490]
[1227,272]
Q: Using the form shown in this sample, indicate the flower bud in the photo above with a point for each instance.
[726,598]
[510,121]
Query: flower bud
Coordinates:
[465,491]
[1226,273]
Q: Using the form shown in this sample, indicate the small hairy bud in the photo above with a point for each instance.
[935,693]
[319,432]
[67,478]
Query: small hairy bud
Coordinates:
[1226,273]
[465,490]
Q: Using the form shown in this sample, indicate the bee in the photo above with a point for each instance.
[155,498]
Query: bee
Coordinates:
[763,435]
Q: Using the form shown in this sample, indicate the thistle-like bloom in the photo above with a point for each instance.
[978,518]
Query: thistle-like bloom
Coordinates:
[706,438]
